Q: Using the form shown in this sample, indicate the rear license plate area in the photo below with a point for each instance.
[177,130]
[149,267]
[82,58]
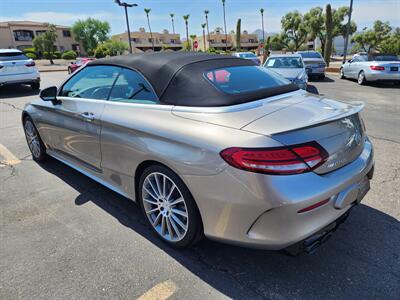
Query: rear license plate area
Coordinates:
[394,69]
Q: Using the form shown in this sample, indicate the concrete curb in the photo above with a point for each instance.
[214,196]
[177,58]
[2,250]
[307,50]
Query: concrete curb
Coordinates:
[52,70]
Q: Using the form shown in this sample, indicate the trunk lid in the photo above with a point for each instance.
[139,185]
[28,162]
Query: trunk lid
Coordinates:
[336,126]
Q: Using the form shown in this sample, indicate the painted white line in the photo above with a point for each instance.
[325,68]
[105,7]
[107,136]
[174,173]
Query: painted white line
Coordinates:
[161,291]
[7,158]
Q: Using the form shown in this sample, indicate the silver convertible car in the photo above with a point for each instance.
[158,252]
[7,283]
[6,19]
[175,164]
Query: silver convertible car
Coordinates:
[366,68]
[209,145]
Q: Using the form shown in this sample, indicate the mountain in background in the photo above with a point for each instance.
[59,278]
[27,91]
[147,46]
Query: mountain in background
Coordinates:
[267,34]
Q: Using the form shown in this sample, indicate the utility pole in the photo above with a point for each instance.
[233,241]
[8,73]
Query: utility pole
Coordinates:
[126,5]
[346,42]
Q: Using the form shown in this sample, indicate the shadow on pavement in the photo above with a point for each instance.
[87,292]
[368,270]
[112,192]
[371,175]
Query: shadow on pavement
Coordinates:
[13,91]
[362,258]
[316,79]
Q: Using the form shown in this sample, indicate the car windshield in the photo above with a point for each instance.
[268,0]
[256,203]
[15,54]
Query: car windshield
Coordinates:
[310,54]
[384,58]
[247,55]
[244,79]
[8,56]
[284,63]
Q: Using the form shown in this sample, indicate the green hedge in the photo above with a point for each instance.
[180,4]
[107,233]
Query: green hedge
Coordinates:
[31,55]
[69,55]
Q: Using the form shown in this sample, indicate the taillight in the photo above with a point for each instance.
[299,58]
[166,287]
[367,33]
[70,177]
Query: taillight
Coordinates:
[314,206]
[281,160]
[377,68]
[30,64]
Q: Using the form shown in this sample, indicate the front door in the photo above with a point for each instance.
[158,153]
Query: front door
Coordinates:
[75,124]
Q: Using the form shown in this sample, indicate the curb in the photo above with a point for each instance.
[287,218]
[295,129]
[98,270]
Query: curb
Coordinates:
[51,70]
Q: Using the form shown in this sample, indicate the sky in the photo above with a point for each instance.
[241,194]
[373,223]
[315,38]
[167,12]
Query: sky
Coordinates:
[66,12]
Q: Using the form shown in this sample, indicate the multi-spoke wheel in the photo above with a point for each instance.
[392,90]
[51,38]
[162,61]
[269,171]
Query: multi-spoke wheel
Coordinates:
[35,144]
[361,78]
[169,206]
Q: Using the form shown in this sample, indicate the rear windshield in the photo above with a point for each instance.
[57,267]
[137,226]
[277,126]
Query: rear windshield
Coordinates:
[310,54]
[284,63]
[384,58]
[7,56]
[244,79]
[247,55]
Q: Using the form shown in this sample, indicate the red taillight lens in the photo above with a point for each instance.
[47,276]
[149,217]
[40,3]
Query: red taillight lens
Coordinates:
[377,68]
[283,160]
[30,64]
[314,206]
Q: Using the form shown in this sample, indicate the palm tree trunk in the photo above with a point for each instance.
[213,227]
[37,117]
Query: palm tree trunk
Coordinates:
[262,22]
[173,26]
[151,33]
[187,34]
[204,40]
[208,32]
[226,34]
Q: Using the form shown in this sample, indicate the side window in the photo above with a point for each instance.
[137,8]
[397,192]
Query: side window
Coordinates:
[132,87]
[356,59]
[91,83]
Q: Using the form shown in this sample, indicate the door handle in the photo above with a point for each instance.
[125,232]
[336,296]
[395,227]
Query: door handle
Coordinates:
[87,116]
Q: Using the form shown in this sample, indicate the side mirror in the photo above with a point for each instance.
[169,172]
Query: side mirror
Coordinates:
[49,94]
[350,60]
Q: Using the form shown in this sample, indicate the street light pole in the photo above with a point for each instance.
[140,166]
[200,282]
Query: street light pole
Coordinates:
[346,42]
[126,5]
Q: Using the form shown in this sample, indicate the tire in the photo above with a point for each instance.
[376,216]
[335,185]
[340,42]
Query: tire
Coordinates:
[361,78]
[155,200]
[341,74]
[34,141]
[69,70]
[35,86]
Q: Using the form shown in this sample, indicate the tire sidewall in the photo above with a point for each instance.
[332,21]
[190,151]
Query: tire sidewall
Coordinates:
[195,229]
[358,78]
[42,155]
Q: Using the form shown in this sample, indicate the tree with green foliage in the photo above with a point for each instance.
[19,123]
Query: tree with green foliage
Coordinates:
[329,33]
[147,12]
[90,33]
[110,48]
[380,38]
[293,30]
[44,42]
[314,21]
[238,34]
[186,19]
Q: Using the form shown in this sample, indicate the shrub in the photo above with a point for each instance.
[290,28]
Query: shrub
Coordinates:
[57,54]
[111,48]
[31,55]
[101,51]
[69,55]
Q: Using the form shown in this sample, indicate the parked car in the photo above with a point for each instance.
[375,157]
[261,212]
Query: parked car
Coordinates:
[290,66]
[376,67]
[248,55]
[208,144]
[315,63]
[17,68]
[75,65]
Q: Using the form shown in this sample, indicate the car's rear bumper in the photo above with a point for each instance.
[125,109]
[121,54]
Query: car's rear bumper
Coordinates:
[382,76]
[26,78]
[261,211]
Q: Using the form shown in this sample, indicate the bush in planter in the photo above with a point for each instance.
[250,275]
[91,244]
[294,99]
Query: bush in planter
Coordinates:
[69,55]
[101,51]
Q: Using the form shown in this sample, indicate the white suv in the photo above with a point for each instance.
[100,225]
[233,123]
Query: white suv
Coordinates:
[16,68]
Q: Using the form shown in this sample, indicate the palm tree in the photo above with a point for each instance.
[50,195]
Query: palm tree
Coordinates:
[206,12]
[226,34]
[147,11]
[204,35]
[186,18]
[172,20]
[262,23]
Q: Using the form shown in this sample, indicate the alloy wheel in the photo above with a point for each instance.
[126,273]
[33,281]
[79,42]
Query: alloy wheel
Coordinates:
[165,207]
[361,78]
[33,139]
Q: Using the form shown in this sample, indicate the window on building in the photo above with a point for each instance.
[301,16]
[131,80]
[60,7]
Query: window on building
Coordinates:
[66,33]
[150,39]
[23,35]
[223,41]
[39,32]
[252,41]
[173,41]
[135,40]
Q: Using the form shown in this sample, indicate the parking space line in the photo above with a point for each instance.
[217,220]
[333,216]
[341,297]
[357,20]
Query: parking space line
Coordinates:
[161,291]
[7,158]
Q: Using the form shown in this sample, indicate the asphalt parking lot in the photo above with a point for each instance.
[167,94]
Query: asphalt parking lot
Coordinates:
[63,236]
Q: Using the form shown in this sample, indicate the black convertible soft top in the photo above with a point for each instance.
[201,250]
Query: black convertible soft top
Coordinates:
[178,77]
